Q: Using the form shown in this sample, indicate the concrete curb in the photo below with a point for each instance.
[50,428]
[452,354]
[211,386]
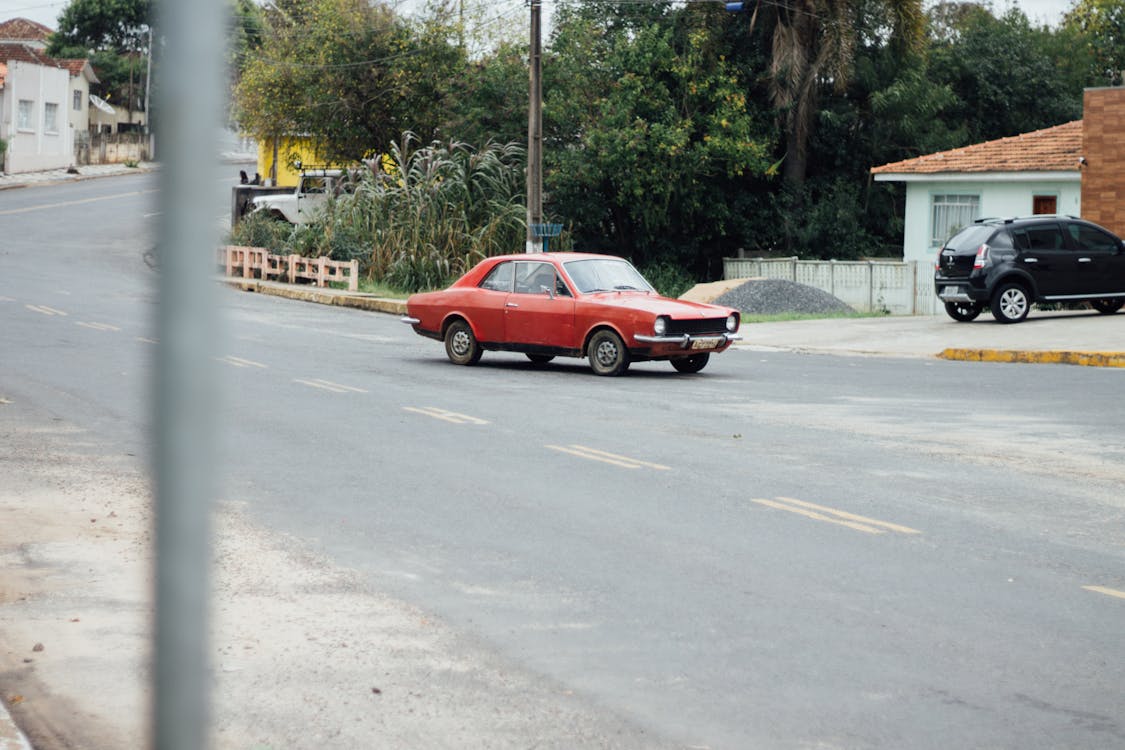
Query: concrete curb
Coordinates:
[322,296]
[1087,359]
[11,738]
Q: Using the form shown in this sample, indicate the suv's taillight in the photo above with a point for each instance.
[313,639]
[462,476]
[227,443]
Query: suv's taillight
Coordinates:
[937,260]
[982,257]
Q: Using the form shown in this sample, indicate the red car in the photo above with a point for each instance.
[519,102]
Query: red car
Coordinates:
[549,305]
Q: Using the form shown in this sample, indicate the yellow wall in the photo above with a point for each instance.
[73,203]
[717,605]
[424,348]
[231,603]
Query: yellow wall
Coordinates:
[289,150]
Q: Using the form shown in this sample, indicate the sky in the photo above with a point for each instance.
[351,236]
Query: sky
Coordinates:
[47,11]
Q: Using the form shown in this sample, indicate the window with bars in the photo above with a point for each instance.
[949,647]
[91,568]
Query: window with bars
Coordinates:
[51,117]
[951,212]
[24,115]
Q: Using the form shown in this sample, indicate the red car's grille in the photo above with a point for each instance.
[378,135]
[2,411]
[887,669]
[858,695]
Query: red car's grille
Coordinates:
[694,326]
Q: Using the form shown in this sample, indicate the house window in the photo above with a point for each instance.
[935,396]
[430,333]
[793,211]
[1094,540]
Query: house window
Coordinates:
[51,117]
[77,101]
[24,120]
[950,213]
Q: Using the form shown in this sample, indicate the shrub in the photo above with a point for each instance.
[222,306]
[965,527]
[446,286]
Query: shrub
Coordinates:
[261,230]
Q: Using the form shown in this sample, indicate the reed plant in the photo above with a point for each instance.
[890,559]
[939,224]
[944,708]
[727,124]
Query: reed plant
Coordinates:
[426,214]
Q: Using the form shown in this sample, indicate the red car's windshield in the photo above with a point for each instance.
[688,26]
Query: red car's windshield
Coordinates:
[598,275]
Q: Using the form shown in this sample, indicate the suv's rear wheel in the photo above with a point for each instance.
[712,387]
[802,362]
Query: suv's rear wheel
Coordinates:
[1010,303]
[1107,306]
[963,311]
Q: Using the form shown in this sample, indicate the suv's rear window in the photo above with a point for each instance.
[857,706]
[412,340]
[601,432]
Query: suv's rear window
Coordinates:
[970,238]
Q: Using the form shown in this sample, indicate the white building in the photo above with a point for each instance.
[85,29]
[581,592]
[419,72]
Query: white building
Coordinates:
[1032,173]
[34,99]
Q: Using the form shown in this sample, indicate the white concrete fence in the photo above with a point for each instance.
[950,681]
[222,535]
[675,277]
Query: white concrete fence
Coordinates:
[898,287]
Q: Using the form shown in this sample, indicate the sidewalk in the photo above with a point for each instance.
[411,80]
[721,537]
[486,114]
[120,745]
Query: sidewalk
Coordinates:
[1081,337]
[26,179]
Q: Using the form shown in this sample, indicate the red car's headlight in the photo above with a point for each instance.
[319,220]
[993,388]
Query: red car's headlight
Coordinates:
[732,322]
[660,326]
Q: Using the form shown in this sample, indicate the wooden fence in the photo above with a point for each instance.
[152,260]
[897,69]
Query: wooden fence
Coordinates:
[260,263]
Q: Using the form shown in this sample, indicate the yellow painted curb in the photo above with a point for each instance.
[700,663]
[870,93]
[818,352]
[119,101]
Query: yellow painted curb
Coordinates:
[323,297]
[1087,359]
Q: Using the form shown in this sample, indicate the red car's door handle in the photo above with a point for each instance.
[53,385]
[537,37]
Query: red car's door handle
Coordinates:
[1085,260]
[510,304]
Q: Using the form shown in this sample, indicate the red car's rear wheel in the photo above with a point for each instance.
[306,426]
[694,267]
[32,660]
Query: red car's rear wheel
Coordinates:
[461,345]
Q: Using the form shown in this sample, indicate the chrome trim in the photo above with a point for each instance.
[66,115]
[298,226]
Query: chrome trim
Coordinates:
[685,339]
[1107,295]
[409,320]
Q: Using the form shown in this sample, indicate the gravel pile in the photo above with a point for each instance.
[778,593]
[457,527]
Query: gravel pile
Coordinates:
[776,296]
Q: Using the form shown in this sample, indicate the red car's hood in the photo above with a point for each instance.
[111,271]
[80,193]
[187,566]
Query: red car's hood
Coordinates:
[673,308]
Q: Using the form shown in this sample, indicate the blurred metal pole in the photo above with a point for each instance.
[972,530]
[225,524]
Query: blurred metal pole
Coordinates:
[189,90]
[535,134]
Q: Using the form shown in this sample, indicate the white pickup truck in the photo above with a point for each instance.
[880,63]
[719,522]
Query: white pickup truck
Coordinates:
[309,197]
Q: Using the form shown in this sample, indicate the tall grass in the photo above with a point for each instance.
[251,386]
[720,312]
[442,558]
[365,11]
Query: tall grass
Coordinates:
[429,213]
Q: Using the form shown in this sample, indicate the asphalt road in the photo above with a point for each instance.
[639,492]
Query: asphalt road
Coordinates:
[784,551]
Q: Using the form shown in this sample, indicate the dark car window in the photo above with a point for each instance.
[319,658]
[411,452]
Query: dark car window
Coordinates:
[1042,237]
[1089,239]
[970,238]
[499,279]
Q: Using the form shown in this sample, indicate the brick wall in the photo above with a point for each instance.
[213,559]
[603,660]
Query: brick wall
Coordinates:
[1103,145]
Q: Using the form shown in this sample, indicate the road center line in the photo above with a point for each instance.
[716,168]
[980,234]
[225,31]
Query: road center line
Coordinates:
[614,459]
[851,516]
[97,326]
[447,416]
[328,385]
[818,516]
[240,362]
[44,310]
[1106,591]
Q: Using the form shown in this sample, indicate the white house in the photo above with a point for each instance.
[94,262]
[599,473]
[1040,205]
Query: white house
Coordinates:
[1032,173]
[34,97]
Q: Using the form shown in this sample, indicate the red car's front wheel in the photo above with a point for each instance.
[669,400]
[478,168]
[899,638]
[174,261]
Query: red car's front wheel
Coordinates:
[608,355]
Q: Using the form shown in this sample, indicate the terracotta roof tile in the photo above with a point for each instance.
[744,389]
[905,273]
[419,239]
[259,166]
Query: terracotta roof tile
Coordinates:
[1055,149]
[24,53]
[23,29]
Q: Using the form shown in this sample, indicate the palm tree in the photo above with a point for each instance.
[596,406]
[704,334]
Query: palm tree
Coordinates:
[814,43]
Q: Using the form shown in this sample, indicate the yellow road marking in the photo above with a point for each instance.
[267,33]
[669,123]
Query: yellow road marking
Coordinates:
[1106,591]
[144,340]
[818,516]
[594,454]
[4,401]
[851,516]
[832,515]
[98,326]
[44,310]
[46,206]
[328,385]
[240,362]
[447,416]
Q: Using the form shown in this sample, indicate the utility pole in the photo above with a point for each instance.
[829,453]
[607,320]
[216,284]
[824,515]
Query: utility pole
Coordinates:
[535,136]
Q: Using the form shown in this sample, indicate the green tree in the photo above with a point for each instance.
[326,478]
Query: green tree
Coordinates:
[114,36]
[1100,27]
[350,74]
[1009,76]
[649,132]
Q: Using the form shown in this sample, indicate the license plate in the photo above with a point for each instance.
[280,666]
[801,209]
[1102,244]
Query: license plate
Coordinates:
[706,343]
[950,291]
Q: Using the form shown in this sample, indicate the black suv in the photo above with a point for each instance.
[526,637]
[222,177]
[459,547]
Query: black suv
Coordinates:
[1008,264]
